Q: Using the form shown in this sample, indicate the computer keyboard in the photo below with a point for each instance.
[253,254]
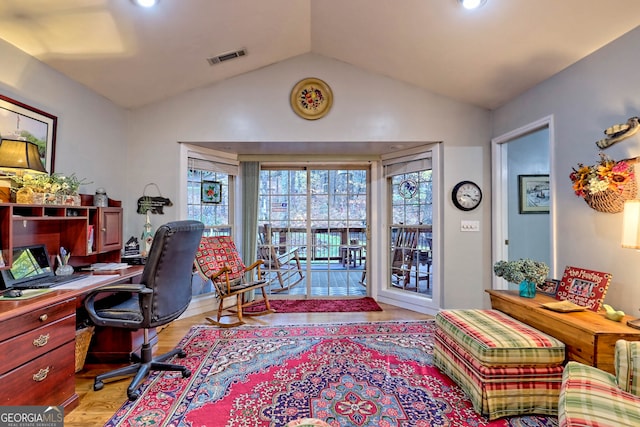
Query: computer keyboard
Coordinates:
[48,282]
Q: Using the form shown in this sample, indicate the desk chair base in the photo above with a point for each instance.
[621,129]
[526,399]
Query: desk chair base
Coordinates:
[144,364]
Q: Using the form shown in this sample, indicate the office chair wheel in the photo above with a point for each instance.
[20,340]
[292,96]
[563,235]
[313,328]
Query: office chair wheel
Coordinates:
[182,354]
[98,385]
[133,395]
[186,373]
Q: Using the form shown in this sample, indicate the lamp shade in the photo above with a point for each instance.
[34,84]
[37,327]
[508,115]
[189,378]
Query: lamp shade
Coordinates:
[16,154]
[631,224]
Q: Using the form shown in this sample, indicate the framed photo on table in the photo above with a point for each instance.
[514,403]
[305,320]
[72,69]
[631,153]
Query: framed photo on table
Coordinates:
[23,122]
[549,287]
[586,288]
[533,194]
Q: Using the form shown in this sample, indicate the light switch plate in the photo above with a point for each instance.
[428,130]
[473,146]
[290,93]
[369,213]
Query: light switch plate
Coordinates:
[466,225]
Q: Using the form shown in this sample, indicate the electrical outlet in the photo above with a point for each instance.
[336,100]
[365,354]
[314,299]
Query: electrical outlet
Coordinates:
[466,225]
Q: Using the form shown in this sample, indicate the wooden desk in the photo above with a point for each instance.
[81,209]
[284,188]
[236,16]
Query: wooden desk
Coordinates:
[589,337]
[37,345]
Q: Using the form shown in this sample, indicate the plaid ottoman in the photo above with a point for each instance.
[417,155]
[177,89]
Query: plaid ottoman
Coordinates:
[504,366]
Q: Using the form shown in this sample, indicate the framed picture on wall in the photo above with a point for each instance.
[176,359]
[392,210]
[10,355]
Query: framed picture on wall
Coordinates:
[533,194]
[22,122]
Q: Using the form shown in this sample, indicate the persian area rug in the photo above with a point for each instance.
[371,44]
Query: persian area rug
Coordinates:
[348,375]
[318,305]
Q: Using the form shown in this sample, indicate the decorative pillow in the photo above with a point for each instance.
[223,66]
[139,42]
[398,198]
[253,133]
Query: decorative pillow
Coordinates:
[627,366]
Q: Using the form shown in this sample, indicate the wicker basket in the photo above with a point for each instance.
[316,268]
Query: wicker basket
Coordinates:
[612,201]
[83,339]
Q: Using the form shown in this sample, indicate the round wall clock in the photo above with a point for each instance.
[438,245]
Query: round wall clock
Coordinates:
[311,98]
[466,195]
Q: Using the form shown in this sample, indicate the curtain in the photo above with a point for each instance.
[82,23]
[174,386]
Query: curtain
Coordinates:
[250,181]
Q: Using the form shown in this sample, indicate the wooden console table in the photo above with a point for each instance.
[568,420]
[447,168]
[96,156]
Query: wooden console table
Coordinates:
[589,337]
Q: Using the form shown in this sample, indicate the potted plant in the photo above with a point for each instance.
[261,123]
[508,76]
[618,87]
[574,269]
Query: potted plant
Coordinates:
[525,272]
[41,189]
[68,187]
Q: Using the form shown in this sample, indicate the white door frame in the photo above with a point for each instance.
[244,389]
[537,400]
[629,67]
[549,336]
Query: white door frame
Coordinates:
[500,219]
[379,272]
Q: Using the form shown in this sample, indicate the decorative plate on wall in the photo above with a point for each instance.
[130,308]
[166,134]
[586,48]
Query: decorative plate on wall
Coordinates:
[311,98]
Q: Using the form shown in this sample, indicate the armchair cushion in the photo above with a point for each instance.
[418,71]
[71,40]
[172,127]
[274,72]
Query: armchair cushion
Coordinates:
[128,310]
[591,397]
[627,364]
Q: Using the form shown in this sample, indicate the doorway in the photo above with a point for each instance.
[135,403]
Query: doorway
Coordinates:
[524,152]
[313,222]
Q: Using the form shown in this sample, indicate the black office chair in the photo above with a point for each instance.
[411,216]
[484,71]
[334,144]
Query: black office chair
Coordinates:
[163,294]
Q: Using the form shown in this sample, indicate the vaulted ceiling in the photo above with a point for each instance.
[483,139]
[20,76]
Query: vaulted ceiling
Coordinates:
[135,56]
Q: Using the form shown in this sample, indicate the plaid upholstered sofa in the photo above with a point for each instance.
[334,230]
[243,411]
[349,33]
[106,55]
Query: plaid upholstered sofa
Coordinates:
[592,397]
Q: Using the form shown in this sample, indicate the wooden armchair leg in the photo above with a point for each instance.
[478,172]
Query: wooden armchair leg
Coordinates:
[264,300]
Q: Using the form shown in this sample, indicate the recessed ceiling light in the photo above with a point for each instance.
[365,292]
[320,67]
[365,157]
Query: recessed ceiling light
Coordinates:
[145,3]
[472,4]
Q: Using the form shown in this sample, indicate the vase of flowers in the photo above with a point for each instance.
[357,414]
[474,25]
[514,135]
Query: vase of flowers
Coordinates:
[525,272]
[606,185]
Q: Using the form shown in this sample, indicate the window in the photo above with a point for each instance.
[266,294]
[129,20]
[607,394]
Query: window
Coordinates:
[216,213]
[412,198]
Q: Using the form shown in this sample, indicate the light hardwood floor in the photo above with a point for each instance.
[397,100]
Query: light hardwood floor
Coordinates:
[97,407]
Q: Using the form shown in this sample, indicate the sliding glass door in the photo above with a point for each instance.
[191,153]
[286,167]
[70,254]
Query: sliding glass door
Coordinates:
[313,230]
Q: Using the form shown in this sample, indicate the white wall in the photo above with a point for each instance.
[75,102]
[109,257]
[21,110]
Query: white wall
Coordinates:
[367,107]
[91,137]
[585,99]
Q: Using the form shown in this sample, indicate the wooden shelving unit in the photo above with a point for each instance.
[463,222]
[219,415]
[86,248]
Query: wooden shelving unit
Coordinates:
[67,226]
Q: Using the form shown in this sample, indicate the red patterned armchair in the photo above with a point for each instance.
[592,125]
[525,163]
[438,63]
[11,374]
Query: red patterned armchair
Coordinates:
[218,259]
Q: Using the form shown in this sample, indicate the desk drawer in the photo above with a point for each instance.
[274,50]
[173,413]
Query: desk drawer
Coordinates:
[48,380]
[18,325]
[34,343]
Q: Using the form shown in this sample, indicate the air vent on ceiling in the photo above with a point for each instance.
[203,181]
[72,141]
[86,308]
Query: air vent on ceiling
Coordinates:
[226,56]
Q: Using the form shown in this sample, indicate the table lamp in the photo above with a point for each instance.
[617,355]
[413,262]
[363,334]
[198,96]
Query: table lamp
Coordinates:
[631,234]
[16,154]
[17,157]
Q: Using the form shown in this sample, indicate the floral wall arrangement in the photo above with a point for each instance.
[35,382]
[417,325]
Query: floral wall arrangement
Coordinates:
[605,185]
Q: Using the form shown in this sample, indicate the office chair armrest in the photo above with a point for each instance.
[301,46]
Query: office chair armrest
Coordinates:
[122,288]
